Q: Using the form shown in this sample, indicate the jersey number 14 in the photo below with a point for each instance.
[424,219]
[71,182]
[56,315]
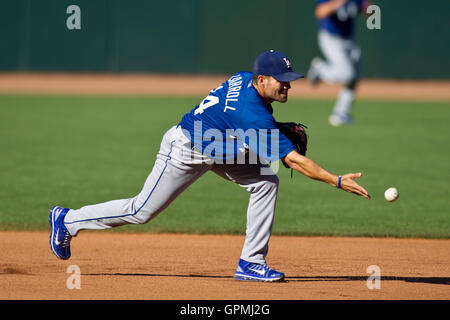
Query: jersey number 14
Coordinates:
[209,101]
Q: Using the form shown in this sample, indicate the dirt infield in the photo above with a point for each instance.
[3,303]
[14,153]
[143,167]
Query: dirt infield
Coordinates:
[201,267]
[179,85]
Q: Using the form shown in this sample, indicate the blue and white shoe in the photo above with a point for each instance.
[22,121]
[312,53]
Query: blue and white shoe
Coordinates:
[256,272]
[59,235]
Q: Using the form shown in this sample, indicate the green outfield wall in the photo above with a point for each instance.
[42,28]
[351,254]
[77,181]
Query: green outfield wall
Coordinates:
[211,37]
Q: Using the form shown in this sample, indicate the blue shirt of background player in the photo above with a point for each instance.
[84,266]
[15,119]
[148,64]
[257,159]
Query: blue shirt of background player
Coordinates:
[341,21]
[234,105]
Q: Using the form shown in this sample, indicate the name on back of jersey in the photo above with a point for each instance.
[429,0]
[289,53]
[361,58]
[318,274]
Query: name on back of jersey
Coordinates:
[234,88]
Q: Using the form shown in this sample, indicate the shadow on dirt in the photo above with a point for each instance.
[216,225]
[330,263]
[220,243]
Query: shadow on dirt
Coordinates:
[428,280]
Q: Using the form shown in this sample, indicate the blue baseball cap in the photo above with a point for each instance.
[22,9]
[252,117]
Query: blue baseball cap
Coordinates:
[275,64]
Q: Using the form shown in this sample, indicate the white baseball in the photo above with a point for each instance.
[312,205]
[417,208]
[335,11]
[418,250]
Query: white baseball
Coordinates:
[391,194]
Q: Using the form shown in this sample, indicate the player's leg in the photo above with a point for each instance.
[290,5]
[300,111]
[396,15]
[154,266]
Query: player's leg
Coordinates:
[170,176]
[338,67]
[342,110]
[343,107]
[174,170]
[263,191]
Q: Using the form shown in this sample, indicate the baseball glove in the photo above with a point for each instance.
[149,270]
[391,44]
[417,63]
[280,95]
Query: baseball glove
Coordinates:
[297,134]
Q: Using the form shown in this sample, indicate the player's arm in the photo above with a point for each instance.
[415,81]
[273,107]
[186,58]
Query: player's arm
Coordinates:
[325,9]
[312,170]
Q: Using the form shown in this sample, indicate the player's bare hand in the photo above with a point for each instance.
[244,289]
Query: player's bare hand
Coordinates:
[349,184]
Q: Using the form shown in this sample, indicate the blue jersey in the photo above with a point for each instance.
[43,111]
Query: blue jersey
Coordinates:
[341,21]
[234,118]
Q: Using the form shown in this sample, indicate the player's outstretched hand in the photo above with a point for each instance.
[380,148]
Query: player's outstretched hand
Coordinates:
[349,184]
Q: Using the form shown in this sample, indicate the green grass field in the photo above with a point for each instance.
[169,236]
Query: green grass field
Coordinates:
[74,151]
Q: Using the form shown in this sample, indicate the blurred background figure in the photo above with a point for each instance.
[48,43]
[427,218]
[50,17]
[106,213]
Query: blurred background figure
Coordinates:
[337,43]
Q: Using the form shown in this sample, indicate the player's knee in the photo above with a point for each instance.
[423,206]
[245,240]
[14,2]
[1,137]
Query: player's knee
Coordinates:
[352,84]
[348,75]
[140,217]
[143,217]
[144,212]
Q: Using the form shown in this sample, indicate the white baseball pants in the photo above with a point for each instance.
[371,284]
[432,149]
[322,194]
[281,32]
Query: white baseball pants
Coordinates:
[341,66]
[177,166]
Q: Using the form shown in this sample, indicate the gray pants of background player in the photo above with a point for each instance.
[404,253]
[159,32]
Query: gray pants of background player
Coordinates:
[177,166]
[342,66]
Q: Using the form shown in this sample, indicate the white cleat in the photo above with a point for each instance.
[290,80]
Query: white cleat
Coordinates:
[337,120]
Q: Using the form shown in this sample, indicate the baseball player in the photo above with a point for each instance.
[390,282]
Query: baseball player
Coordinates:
[231,132]
[342,53]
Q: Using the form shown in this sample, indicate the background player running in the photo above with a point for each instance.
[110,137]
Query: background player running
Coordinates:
[224,129]
[337,42]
